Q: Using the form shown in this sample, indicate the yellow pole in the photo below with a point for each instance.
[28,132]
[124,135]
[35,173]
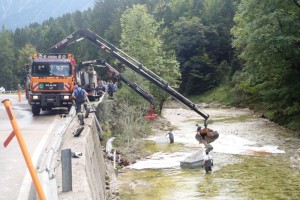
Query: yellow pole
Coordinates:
[22,144]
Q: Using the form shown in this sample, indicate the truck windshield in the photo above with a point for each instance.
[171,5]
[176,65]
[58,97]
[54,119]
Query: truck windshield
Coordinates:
[51,69]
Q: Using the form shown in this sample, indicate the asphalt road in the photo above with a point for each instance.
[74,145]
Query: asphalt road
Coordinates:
[14,176]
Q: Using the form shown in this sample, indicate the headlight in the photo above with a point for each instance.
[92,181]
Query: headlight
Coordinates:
[35,97]
[66,97]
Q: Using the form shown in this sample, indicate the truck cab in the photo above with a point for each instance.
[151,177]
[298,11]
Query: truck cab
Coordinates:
[50,81]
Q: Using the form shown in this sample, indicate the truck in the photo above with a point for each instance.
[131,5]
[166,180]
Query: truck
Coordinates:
[50,81]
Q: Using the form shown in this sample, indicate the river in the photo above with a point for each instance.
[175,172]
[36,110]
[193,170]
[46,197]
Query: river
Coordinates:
[253,159]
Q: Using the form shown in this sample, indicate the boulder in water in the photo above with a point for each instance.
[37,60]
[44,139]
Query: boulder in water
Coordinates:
[193,161]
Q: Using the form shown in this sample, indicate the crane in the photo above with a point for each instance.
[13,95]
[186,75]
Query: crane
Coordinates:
[130,62]
[133,86]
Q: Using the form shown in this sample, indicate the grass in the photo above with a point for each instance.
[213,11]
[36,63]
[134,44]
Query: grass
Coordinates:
[222,94]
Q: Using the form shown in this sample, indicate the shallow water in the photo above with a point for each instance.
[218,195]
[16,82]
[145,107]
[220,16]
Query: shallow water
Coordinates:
[253,159]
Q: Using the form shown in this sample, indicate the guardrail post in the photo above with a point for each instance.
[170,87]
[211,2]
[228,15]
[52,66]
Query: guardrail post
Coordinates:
[66,162]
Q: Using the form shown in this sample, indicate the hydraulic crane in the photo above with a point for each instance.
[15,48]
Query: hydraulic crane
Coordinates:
[128,61]
[133,86]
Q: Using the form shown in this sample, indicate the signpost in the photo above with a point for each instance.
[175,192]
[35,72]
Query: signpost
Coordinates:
[17,132]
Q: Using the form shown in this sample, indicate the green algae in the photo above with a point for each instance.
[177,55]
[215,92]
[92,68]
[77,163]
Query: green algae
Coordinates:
[151,147]
[254,177]
[262,177]
[240,118]
[160,184]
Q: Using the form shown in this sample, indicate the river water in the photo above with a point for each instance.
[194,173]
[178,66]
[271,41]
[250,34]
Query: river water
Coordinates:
[253,159]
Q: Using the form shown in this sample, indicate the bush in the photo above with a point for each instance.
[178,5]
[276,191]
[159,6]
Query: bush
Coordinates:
[126,122]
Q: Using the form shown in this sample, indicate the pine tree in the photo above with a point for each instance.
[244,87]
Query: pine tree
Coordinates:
[7,61]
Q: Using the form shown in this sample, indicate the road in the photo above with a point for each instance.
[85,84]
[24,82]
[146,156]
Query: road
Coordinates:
[14,176]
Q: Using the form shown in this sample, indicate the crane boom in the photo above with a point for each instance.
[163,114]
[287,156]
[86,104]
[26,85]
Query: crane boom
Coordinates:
[128,61]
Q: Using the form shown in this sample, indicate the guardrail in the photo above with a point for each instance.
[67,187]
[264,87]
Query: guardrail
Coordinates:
[50,159]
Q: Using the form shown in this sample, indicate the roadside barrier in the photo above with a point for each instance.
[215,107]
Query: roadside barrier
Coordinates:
[49,160]
[17,132]
[66,163]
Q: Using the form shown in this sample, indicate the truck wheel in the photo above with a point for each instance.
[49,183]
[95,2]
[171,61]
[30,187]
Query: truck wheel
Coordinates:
[35,110]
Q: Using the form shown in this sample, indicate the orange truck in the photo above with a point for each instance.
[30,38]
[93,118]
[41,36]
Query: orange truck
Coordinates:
[50,81]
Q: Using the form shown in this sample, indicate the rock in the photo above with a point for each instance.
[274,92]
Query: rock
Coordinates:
[193,161]
[225,107]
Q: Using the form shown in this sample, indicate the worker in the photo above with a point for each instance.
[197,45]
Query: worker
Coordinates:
[19,93]
[79,95]
[171,136]
[198,135]
[116,86]
[110,88]
[207,162]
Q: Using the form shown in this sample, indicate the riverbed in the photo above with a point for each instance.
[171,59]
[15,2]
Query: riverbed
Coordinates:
[253,159]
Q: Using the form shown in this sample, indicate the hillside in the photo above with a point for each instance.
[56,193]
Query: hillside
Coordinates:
[20,13]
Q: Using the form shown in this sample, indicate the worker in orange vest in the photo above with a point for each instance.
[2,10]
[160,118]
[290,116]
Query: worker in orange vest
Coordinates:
[19,92]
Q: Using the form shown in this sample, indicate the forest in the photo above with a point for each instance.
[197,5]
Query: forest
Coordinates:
[246,50]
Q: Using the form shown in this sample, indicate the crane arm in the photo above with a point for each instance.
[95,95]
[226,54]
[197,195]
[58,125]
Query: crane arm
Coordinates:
[128,61]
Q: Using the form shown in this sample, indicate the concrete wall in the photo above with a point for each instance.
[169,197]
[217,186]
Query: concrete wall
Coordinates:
[95,165]
[88,171]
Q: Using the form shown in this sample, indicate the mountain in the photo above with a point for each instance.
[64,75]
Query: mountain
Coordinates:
[20,13]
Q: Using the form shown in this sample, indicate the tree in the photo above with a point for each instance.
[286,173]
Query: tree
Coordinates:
[7,60]
[268,40]
[140,39]
[218,18]
[187,38]
[24,58]
[169,11]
